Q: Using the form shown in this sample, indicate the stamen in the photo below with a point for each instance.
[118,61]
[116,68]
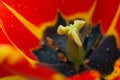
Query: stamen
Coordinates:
[72,31]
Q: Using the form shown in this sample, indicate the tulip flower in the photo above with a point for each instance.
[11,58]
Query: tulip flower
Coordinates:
[22,29]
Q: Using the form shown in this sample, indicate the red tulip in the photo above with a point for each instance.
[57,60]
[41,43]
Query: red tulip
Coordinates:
[22,24]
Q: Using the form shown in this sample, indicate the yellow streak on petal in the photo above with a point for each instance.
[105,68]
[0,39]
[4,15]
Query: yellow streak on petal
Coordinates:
[15,77]
[111,30]
[37,31]
[33,62]
[10,54]
[82,15]
[113,24]
[58,77]
[3,56]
